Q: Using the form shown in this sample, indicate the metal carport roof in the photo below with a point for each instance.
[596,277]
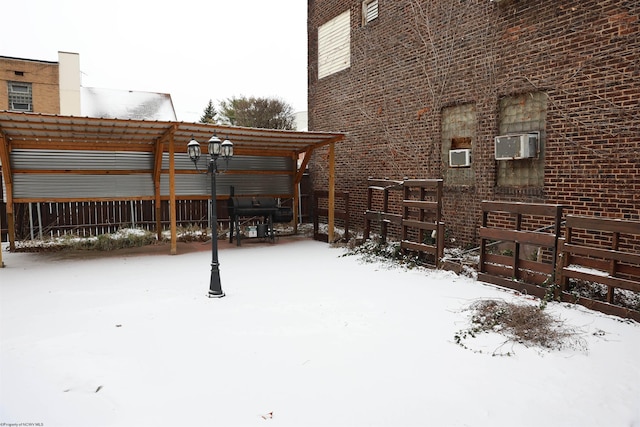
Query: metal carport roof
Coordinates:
[29,133]
[77,133]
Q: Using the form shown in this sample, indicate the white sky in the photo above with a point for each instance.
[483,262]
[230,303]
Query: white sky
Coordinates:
[194,50]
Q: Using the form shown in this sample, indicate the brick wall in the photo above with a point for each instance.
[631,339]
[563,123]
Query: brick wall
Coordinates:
[43,77]
[420,58]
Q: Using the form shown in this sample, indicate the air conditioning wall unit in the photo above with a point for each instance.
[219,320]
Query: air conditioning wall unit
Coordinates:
[460,158]
[517,146]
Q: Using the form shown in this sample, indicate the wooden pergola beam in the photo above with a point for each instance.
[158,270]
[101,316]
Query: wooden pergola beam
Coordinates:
[332,193]
[157,175]
[82,145]
[7,176]
[303,166]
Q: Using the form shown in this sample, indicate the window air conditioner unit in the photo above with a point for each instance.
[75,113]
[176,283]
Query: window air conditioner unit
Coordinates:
[517,146]
[460,158]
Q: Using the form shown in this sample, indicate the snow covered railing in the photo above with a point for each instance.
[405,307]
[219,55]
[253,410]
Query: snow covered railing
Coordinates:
[604,251]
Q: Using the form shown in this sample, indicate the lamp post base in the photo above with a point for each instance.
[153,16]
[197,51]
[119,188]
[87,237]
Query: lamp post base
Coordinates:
[215,289]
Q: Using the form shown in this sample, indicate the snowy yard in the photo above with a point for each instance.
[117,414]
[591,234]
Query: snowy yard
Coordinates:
[304,337]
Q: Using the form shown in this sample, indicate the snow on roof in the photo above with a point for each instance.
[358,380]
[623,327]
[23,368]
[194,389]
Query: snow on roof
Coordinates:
[126,104]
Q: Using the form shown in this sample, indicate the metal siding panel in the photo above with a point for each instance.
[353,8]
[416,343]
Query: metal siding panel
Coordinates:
[182,162]
[52,186]
[196,185]
[199,185]
[266,184]
[265,163]
[80,160]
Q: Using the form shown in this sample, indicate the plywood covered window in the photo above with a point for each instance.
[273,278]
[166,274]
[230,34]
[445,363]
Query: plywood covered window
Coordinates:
[458,129]
[518,114]
[334,45]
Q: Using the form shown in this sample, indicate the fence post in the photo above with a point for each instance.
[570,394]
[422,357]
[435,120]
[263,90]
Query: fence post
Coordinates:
[1,262]
[31,221]
[39,211]
[367,221]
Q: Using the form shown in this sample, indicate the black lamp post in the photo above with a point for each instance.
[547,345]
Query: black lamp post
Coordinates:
[217,148]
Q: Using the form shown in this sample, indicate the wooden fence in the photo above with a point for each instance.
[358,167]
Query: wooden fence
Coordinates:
[422,226]
[503,260]
[49,219]
[595,250]
[600,250]
[378,192]
[420,220]
[321,210]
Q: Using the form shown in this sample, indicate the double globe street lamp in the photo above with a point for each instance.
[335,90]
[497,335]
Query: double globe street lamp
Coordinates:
[217,148]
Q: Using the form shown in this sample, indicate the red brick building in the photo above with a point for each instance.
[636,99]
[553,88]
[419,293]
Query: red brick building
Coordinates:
[411,80]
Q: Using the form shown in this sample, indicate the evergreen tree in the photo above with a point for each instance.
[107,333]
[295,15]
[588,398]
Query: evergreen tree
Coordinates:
[209,114]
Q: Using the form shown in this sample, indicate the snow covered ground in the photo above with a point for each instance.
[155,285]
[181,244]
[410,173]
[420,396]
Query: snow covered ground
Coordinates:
[304,337]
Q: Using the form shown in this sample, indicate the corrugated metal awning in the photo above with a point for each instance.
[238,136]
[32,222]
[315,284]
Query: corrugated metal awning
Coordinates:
[67,158]
[84,133]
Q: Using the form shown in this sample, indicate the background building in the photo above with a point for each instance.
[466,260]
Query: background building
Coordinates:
[409,81]
[30,85]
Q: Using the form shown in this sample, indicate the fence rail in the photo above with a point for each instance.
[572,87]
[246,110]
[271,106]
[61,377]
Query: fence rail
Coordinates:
[601,261]
[418,214]
[422,226]
[380,216]
[503,222]
[320,198]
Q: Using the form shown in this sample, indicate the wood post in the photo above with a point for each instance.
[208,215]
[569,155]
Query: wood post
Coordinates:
[7,175]
[332,192]
[172,195]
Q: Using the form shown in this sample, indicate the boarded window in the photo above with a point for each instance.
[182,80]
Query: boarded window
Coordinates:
[459,124]
[369,11]
[521,114]
[334,50]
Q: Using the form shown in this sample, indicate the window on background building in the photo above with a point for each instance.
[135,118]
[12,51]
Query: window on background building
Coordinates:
[334,45]
[369,11]
[20,96]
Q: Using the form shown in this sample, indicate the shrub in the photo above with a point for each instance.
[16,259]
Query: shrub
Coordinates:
[529,325]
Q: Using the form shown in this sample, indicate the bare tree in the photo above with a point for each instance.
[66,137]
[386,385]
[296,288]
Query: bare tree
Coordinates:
[266,113]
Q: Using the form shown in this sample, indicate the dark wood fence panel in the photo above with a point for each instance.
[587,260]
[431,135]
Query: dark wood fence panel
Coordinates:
[605,260]
[46,220]
[378,212]
[340,212]
[414,207]
[503,229]
[422,226]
